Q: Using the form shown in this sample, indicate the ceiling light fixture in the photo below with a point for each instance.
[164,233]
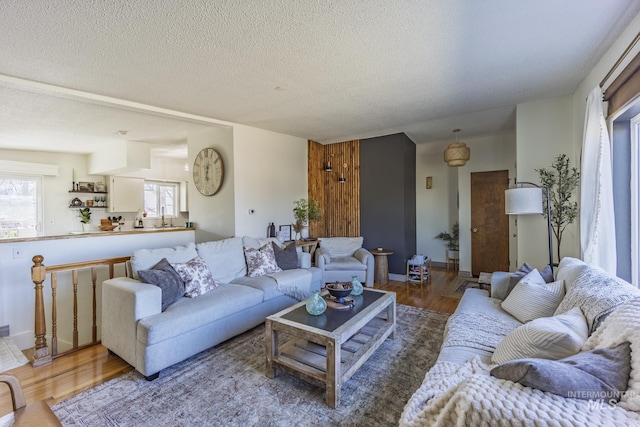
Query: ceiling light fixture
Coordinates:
[457,153]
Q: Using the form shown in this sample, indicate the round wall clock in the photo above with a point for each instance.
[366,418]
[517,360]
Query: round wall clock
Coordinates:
[208,171]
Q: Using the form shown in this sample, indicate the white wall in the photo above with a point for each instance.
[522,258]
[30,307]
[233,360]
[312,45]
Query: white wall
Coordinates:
[545,129]
[437,209]
[213,216]
[271,174]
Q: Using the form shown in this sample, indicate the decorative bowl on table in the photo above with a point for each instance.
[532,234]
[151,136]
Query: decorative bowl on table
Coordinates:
[339,290]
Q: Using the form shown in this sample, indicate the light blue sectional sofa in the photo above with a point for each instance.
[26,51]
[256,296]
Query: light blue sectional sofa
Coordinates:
[135,328]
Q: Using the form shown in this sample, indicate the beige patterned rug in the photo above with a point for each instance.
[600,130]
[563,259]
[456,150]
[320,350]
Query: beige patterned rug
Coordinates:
[456,288]
[226,386]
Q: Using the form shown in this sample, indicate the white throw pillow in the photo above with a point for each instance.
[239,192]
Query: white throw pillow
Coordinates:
[532,298]
[225,258]
[552,338]
[341,246]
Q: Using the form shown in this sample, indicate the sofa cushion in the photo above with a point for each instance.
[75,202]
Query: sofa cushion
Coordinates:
[187,314]
[266,284]
[597,293]
[166,278]
[196,276]
[341,246]
[287,258]
[345,263]
[547,338]
[252,242]
[600,374]
[260,261]
[225,258]
[532,298]
[145,259]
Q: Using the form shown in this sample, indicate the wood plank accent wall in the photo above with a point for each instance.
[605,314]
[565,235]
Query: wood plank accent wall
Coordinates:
[340,202]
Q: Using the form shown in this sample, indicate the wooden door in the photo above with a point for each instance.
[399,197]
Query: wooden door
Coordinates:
[489,223]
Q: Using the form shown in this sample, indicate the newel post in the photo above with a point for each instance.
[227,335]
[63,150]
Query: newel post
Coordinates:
[41,354]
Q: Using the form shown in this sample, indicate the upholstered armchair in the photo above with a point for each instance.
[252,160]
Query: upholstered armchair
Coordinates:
[341,258]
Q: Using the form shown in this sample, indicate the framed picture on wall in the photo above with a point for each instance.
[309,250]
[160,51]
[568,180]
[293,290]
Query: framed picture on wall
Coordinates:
[285,232]
[87,187]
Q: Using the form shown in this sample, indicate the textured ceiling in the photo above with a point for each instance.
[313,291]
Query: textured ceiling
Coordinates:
[324,70]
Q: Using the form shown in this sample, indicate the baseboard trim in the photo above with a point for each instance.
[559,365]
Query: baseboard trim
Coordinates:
[4,331]
[397,277]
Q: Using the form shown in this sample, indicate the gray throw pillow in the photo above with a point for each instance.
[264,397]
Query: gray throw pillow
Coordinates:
[287,258]
[546,273]
[600,374]
[164,276]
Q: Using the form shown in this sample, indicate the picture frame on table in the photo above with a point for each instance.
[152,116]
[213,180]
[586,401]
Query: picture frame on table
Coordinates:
[87,187]
[285,232]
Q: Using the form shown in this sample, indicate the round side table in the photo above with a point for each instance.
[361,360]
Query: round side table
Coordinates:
[381,274]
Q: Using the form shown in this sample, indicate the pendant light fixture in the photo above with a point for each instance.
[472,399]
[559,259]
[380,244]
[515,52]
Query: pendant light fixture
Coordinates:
[457,153]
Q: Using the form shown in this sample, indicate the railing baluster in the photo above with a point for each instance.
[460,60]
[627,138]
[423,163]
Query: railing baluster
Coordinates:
[94,325]
[54,314]
[38,274]
[75,308]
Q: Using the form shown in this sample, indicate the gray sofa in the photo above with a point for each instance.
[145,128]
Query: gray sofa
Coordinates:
[135,328]
[461,390]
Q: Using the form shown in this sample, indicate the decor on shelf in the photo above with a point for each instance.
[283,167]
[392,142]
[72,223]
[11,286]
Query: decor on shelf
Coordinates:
[316,305]
[357,286]
[457,153]
[452,240]
[561,180]
[304,211]
[527,201]
[85,217]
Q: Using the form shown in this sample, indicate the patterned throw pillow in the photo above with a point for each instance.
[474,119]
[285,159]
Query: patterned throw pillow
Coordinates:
[197,277]
[261,261]
[166,278]
[546,338]
[533,298]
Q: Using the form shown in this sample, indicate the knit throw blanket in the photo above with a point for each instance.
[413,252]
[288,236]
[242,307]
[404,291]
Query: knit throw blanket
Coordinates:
[460,395]
[477,330]
[295,283]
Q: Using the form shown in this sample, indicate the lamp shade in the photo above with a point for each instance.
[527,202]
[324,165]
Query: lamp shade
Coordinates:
[457,154]
[523,201]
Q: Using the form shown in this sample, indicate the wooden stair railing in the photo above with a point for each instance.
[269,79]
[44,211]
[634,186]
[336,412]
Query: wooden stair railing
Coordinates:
[42,355]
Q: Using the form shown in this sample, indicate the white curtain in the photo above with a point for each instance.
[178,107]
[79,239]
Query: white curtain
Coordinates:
[597,222]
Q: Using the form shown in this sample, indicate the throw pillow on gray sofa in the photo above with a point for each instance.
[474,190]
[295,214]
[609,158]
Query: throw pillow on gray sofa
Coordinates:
[287,258]
[166,278]
[600,374]
[197,277]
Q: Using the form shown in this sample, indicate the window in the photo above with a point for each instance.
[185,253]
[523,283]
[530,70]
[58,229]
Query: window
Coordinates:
[20,206]
[159,195]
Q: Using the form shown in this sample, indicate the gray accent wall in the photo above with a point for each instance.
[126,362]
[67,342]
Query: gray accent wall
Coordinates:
[388,196]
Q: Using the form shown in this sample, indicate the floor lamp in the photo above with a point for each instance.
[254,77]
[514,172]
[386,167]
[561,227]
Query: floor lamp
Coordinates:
[526,201]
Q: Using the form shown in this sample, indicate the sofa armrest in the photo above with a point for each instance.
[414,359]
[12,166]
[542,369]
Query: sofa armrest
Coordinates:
[304,259]
[500,281]
[124,302]
[362,255]
[323,257]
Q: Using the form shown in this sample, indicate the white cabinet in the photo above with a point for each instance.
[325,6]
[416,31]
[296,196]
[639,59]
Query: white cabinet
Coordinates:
[126,194]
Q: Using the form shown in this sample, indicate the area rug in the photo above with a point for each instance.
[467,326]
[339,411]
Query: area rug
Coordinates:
[456,288]
[226,386]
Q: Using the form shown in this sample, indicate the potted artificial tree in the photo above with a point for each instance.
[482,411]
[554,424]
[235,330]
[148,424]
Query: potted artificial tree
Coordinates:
[304,211]
[452,241]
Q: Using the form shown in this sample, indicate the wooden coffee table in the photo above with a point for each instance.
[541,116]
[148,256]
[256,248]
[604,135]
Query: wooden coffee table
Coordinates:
[328,349]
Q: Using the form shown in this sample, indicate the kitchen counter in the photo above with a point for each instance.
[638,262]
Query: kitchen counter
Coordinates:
[97,233]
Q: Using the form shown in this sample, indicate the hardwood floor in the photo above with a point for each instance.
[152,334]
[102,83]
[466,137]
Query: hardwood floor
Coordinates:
[71,374]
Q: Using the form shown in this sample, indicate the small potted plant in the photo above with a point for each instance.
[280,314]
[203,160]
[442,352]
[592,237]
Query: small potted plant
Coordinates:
[452,241]
[304,211]
[85,218]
